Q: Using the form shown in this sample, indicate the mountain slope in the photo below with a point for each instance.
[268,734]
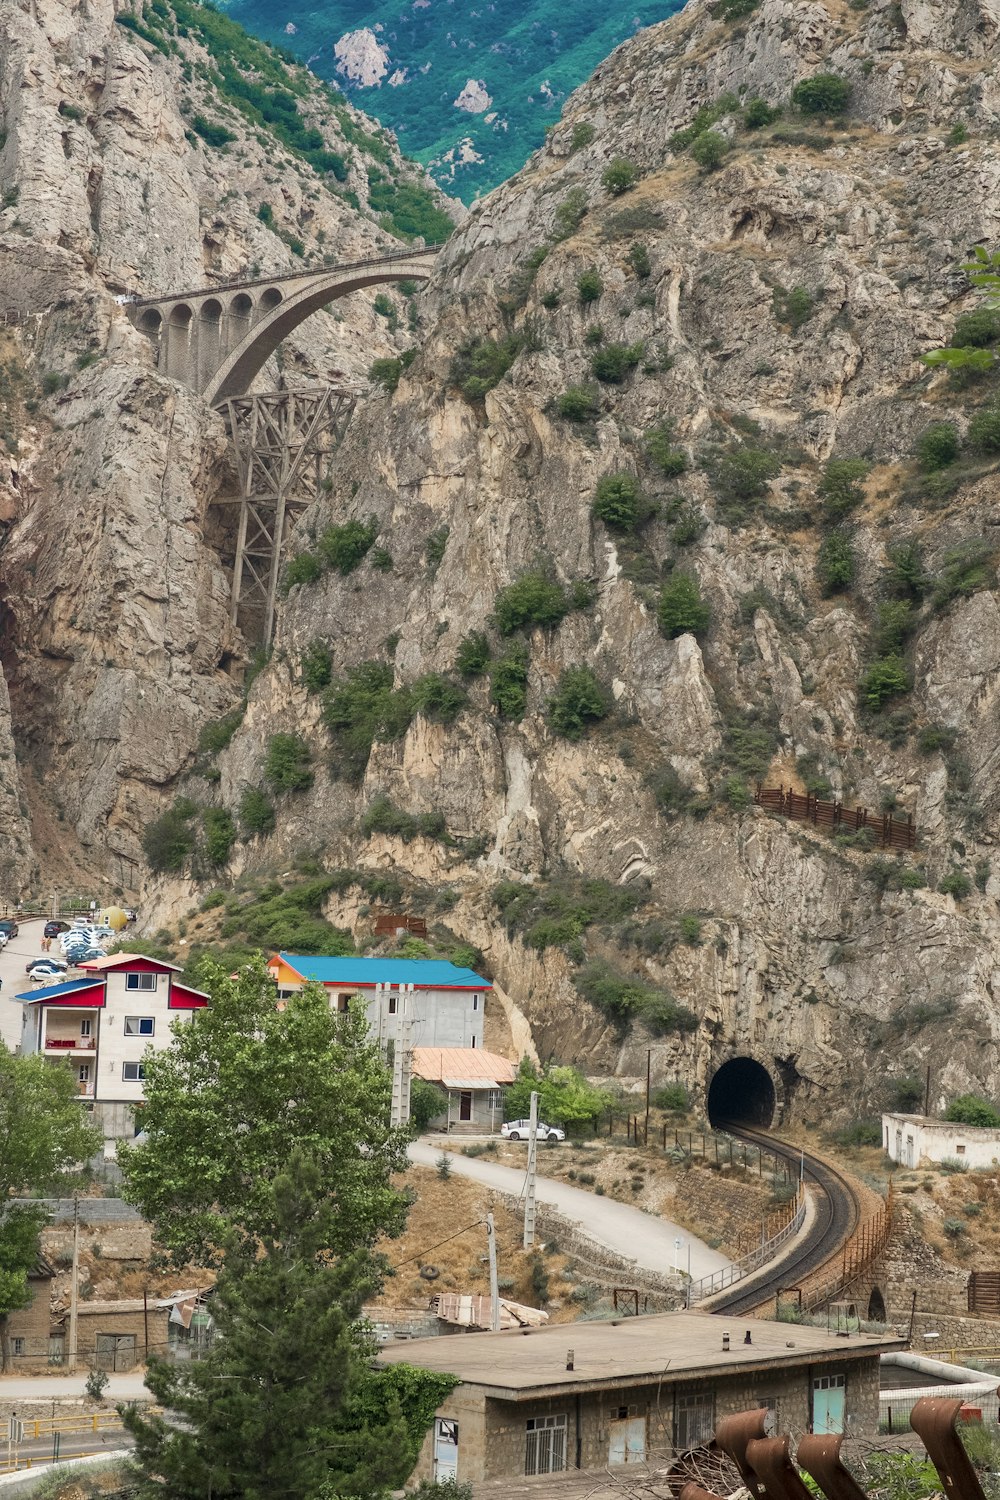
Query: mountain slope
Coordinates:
[745,325]
[469,89]
[146,150]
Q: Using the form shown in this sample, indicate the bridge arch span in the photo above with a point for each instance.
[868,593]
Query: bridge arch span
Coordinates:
[275,321]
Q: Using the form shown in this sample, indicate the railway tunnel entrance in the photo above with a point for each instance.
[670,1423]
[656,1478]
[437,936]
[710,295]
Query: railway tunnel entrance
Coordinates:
[742,1091]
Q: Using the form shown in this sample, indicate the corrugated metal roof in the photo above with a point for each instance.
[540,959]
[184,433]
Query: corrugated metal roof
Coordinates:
[425,973]
[54,991]
[469,1067]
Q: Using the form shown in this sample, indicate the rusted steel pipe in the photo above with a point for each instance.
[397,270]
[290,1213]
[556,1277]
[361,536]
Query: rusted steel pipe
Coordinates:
[769,1458]
[733,1434]
[933,1419]
[820,1457]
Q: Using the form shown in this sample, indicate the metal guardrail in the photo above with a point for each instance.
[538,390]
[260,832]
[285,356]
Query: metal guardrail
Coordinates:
[707,1286]
[235,286]
[40,1427]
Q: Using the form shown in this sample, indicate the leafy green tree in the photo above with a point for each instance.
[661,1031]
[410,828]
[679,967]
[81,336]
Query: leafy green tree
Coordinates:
[972,1109]
[984,430]
[532,599]
[668,457]
[619,176]
[361,709]
[285,1404]
[386,373]
[579,701]
[427,1101]
[823,94]
[509,682]
[238,1083]
[681,608]
[43,1131]
[759,113]
[317,666]
[745,473]
[710,150]
[619,502]
[972,350]
[286,765]
[438,698]
[304,567]
[613,362]
[564,1096]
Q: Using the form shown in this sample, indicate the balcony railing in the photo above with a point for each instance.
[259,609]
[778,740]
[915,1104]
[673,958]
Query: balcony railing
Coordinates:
[70,1043]
[86,1090]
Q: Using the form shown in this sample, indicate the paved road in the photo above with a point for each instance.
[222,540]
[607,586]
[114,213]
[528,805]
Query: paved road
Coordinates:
[624,1230]
[26,945]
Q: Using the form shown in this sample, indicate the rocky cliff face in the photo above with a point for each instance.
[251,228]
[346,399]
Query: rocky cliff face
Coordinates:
[710,339]
[129,162]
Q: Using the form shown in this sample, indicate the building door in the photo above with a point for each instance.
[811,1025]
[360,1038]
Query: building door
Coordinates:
[465,1105]
[628,1441]
[445,1451]
[829,1395]
[115,1351]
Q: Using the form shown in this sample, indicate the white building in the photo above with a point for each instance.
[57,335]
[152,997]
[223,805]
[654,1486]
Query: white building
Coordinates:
[446,1004]
[911,1139]
[101,1027]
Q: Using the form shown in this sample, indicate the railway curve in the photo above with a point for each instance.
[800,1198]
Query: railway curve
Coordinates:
[838,1211]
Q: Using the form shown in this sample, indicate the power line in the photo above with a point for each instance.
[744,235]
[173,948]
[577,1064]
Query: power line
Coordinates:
[398,1265]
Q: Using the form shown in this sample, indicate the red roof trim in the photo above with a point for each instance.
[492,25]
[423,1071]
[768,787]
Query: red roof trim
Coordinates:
[79,1000]
[129,964]
[195,999]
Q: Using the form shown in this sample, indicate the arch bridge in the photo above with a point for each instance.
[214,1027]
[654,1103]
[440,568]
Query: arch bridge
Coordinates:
[217,339]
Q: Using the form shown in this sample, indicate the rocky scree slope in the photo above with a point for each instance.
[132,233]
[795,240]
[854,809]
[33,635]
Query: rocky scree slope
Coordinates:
[150,148]
[709,323]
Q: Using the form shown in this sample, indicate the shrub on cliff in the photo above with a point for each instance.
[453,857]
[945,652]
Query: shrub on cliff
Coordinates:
[823,94]
[437,698]
[219,834]
[473,655]
[709,150]
[578,403]
[619,176]
[938,446]
[681,609]
[589,285]
[662,451]
[579,701]
[360,709]
[286,765]
[623,998]
[839,487]
[612,363]
[885,679]
[343,547]
[509,682]
[532,599]
[835,563]
[256,813]
[169,840]
[620,503]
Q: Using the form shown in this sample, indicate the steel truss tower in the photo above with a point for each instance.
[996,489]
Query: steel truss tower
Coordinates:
[284,443]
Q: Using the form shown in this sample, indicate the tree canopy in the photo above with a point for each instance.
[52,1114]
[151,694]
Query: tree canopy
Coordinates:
[564,1095]
[241,1083]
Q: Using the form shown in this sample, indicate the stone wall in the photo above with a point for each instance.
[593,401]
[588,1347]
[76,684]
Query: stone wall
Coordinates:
[726,1206]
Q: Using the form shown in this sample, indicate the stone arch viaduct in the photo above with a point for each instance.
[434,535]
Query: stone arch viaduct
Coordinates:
[217,339]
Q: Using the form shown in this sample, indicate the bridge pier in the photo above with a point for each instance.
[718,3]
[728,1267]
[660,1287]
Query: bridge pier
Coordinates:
[284,443]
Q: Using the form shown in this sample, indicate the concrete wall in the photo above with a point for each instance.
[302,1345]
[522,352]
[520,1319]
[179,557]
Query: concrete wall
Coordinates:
[492,1434]
[92,1323]
[484,1119]
[910,1139]
[31,1326]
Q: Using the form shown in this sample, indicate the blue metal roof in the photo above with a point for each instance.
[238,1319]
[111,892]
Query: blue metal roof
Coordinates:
[53,991]
[425,973]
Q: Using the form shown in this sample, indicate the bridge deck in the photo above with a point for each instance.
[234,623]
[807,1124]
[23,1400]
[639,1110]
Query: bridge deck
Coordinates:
[284,276]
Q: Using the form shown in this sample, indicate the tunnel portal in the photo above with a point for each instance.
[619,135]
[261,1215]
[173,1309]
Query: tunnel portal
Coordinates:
[742,1092]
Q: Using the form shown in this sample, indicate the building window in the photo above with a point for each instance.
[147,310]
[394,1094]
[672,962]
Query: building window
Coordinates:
[473,1042]
[83,1073]
[140,981]
[392,1005]
[545,1449]
[495,1099]
[475,1002]
[133,1072]
[694,1420]
[139,1025]
[86,1026]
[17,1348]
[959,1150]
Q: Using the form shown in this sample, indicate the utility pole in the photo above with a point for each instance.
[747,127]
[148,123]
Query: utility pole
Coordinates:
[649,1060]
[74,1289]
[927,1096]
[491,1242]
[529,1186]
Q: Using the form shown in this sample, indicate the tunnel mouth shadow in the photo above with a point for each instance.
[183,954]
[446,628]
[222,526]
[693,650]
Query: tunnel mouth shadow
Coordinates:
[741,1093]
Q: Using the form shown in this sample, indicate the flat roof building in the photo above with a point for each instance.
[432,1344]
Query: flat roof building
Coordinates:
[541,1401]
[911,1139]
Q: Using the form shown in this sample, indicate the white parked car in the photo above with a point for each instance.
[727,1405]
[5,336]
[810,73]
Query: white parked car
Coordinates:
[518,1130]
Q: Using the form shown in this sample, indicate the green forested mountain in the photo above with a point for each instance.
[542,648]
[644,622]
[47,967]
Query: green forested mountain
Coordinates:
[408,61]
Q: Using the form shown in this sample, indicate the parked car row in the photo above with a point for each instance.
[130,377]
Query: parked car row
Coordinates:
[519,1130]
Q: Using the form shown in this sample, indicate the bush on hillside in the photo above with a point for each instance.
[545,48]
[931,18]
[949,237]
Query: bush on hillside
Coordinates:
[613,362]
[973,1109]
[836,564]
[579,701]
[169,840]
[343,547]
[473,655]
[256,813]
[619,176]
[885,679]
[533,599]
[287,763]
[578,403]
[839,487]
[823,94]
[709,150]
[219,834]
[509,682]
[589,285]
[360,709]
[668,457]
[938,446]
[681,609]
[620,503]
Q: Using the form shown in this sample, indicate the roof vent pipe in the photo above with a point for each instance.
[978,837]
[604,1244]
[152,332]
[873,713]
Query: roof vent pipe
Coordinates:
[569,1359]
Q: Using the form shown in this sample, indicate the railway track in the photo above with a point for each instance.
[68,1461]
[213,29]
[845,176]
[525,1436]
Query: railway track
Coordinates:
[838,1213]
